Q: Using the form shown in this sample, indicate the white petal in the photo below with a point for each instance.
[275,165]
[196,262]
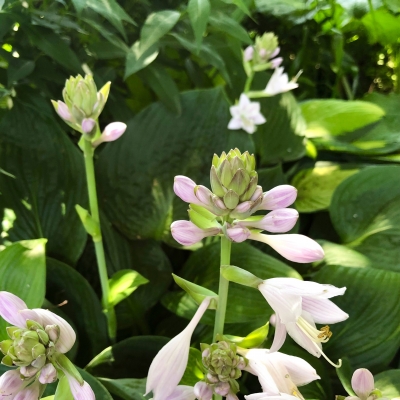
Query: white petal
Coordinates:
[302,339]
[243,100]
[182,392]
[280,335]
[300,371]
[235,111]
[287,307]
[10,309]
[362,382]
[10,384]
[323,311]
[266,381]
[259,119]
[235,123]
[169,364]
[67,334]
[79,392]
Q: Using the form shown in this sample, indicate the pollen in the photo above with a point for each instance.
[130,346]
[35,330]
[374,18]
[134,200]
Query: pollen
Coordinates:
[325,334]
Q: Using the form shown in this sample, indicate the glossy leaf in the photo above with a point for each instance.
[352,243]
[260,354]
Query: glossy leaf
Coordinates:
[253,339]
[138,58]
[388,382]
[127,389]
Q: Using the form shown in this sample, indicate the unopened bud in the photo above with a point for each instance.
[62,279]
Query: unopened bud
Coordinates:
[48,374]
[53,331]
[88,125]
[111,132]
[248,53]
[202,391]
[222,388]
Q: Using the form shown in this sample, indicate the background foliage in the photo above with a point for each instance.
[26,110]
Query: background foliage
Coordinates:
[175,68]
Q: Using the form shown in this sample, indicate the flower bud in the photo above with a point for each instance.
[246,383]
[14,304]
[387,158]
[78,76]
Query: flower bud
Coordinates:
[184,188]
[53,331]
[111,132]
[187,233]
[203,391]
[237,234]
[279,197]
[222,388]
[88,125]
[248,53]
[62,110]
[28,372]
[362,383]
[48,374]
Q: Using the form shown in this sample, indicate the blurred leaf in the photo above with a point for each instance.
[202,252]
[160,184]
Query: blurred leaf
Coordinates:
[228,25]
[241,5]
[137,58]
[335,117]
[23,273]
[202,268]
[54,46]
[63,391]
[280,7]
[370,227]
[316,185]
[19,69]
[122,284]
[199,11]
[133,170]
[382,27]
[253,339]
[82,306]
[116,361]
[345,372]
[156,26]
[372,300]
[281,137]
[127,389]
[268,178]
[194,369]
[388,383]
[49,180]
[165,87]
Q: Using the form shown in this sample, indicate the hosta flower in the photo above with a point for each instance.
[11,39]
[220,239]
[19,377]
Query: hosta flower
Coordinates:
[279,374]
[246,115]
[38,341]
[169,364]
[279,83]
[298,306]
[187,233]
[363,385]
[111,132]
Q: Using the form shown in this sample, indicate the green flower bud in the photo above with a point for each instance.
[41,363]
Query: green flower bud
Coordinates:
[5,346]
[13,332]
[265,47]
[7,361]
[43,336]
[231,199]
[38,350]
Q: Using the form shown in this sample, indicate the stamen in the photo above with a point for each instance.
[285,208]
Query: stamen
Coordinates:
[320,336]
[338,365]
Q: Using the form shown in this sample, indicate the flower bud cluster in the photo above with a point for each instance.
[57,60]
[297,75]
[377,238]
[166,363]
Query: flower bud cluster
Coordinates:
[224,366]
[30,349]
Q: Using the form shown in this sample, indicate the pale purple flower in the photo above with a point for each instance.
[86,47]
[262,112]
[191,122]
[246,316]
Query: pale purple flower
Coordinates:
[363,385]
[246,115]
[15,312]
[281,196]
[181,392]
[88,124]
[169,364]
[203,391]
[279,374]
[110,133]
[279,83]
[11,383]
[187,233]
[48,374]
[294,247]
[298,306]
[238,233]
[276,62]
[277,221]
[248,53]
[63,111]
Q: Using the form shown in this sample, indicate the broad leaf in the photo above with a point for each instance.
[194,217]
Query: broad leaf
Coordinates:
[224,23]
[137,58]
[388,383]
[199,11]
[194,370]
[382,26]
[127,389]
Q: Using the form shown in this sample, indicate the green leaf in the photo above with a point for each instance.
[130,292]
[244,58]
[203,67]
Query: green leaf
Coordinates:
[241,5]
[280,138]
[127,389]
[228,25]
[382,27]
[164,86]
[194,371]
[23,273]
[345,372]
[315,186]
[240,276]
[91,226]
[138,58]
[370,227]
[43,198]
[253,339]
[202,268]
[335,117]
[122,284]
[196,292]
[116,361]
[63,391]
[156,26]
[199,11]
[374,309]
[19,69]
[388,383]
[280,7]
[83,306]
[54,46]
[188,142]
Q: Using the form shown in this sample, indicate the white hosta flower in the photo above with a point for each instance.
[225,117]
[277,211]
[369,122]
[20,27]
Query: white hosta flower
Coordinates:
[246,115]
[169,364]
[279,83]
[298,306]
[279,374]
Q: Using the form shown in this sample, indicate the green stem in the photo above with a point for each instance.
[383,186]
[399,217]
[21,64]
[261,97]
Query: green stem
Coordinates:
[347,88]
[247,85]
[223,289]
[88,152]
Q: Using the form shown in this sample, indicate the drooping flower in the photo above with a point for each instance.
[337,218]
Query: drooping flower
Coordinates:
[279,374]
[279,83]
[246,115]
[168,367]
[363,385]
[38,341]
[298,306]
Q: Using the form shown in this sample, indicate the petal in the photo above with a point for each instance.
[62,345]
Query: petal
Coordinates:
[302,339]
[362,382]
[297,248]
[202,391]
[259,119]
[248,53]
[243,100]
[184,188]
[264,396]
[280,196]
[278,221]
[323,311]
[187,233]
[168,366]
[182,392]
[266,381]
[235,111]
[67,334]
[88,124]
[80,392]
[237,234]
[113,131]
[31,392]
[48,374]
[235,123]
[11,307]
[300,371]
[280,335]
[203,195]
[11,383]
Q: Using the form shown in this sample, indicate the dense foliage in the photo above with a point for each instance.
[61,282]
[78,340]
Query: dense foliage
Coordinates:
[175,69]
